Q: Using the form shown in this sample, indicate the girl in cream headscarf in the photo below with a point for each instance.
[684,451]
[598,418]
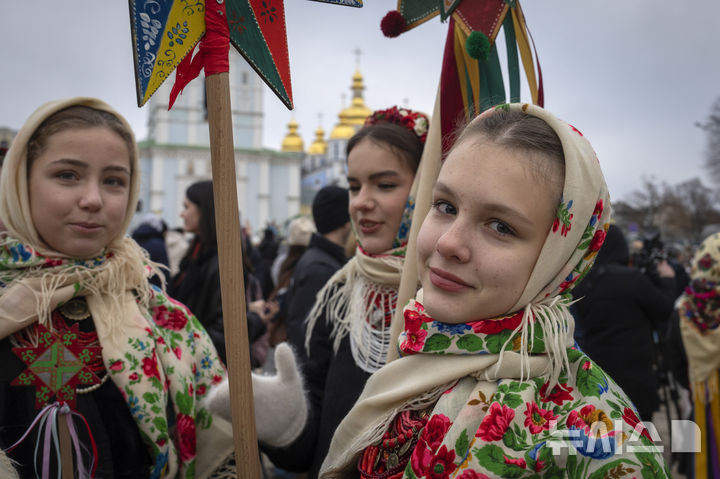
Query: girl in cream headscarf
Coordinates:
[489,384]
[85,339]
[699,312]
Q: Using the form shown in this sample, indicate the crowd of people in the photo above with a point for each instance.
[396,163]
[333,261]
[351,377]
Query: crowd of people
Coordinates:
[535,344]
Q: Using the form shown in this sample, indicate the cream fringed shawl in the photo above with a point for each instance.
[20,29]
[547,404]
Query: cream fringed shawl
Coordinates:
[501,416]
[357,301]
[360,299]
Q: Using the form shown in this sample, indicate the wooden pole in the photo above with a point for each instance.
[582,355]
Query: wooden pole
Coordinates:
[232,284]
[66,454]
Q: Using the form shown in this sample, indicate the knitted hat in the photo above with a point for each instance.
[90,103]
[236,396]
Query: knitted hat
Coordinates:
[300,231]
[330,208]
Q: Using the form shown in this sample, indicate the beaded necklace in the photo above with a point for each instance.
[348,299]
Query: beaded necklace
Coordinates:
[387,458]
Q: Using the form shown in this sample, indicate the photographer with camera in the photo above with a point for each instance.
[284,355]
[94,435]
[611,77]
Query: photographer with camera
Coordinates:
[618,311]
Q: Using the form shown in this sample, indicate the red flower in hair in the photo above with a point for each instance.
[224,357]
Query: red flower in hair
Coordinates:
[416,122]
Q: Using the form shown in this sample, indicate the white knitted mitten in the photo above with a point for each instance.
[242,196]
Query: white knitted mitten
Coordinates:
[281,408]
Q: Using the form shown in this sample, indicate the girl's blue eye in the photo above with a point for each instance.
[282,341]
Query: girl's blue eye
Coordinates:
[444,207]
[501,228]
[115,182]
[66,175]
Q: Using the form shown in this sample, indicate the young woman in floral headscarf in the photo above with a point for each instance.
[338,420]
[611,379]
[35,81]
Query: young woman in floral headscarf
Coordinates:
[699,312]
[86,341]
[348,329]
[489,384]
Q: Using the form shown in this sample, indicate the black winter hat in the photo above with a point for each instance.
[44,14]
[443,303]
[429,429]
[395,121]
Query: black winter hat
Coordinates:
[330,208]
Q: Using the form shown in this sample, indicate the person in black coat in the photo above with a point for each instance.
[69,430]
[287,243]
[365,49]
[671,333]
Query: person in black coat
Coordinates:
[150,235]
[618,310]
[197,284]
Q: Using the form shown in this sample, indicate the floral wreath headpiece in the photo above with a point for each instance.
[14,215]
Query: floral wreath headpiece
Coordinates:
[418,123]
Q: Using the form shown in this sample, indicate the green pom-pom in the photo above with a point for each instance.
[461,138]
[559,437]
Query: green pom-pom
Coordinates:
[478,46]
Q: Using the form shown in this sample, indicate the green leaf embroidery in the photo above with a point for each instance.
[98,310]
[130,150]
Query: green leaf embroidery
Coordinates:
[470,342]
[511,440]
[184,403]
[512,400]
[462,444]
[203,419]
[495,342]
[492,457]
[651,469]
[436,342]
[574,355]
[156,383]
[151,397]
[160,424]
[615,468]
[517,386]
[590,379]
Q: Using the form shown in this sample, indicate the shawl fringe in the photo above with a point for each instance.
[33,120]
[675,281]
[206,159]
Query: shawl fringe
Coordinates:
[350,294]
[558,327]
[126,268]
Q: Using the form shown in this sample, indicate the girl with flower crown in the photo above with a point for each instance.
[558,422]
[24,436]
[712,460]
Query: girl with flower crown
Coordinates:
[348,329]
[86,341]
[489,384]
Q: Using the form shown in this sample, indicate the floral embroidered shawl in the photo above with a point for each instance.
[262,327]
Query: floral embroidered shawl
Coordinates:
[511,396]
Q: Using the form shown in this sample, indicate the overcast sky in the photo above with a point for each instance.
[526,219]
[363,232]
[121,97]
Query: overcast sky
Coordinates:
[633,76]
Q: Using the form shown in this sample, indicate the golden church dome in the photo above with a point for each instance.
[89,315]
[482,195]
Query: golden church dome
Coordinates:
[318,146]
[353,117]
[342,132]
[292,141]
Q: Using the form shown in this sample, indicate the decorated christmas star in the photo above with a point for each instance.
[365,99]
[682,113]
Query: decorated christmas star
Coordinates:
[57,366]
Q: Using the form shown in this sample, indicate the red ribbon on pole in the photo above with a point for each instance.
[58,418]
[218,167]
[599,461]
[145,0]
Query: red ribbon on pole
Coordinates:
[212,53]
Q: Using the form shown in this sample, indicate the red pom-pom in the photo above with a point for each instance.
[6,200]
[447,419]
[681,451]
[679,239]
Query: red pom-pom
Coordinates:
[392,24]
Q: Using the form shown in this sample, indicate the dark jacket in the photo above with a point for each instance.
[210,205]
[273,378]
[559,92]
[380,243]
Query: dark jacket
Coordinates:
[317,264]
[617,314]
[153,241]
[333,380]
[197,286]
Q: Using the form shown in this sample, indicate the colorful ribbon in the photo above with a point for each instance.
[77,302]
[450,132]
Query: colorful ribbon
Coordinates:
[47,419]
